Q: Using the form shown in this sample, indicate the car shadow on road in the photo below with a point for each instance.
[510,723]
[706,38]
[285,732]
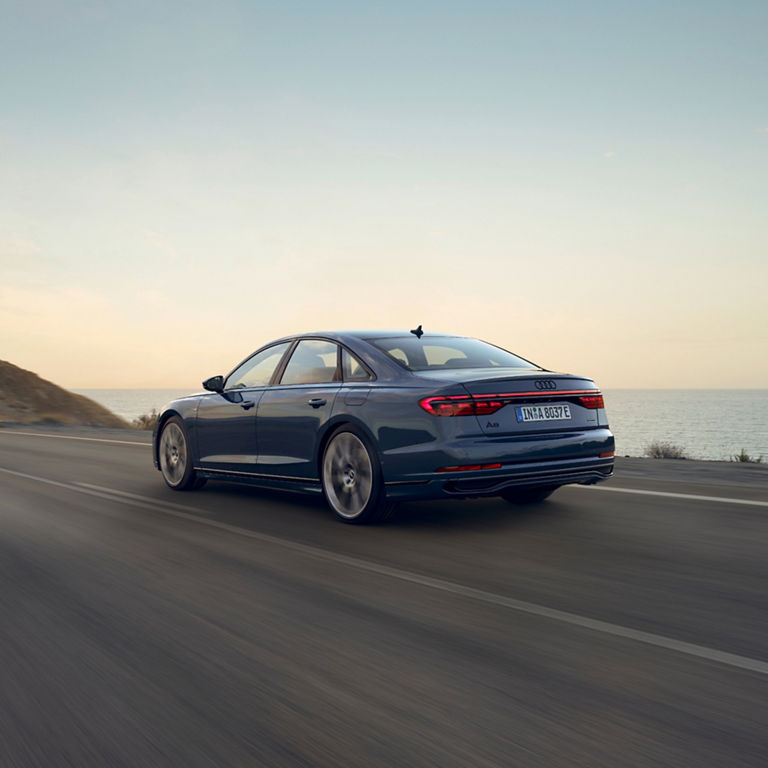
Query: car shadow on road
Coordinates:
[475,514]
[489,514]
[267,496]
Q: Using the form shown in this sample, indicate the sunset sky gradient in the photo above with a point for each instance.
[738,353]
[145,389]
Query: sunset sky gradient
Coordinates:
[583,183]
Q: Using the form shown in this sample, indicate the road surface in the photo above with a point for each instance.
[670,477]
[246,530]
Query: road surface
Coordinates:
[625,625]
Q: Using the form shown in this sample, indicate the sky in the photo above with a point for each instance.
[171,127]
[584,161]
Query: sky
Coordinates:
[581,183]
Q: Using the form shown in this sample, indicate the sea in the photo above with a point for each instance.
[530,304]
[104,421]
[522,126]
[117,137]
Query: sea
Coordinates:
[714,424]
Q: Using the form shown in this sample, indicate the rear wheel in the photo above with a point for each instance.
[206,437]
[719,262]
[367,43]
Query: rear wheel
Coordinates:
[351,478]
[528,495]
[176,458]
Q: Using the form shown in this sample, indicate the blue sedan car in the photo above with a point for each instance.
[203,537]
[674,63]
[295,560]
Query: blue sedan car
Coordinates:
[371,418]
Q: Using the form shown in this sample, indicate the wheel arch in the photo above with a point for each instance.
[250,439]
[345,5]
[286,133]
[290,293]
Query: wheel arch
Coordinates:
[343,419]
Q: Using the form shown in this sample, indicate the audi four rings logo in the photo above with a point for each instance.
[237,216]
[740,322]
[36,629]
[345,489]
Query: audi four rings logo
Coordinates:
[545,384]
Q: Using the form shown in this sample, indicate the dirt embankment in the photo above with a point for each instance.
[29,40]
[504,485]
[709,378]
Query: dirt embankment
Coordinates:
[25,398]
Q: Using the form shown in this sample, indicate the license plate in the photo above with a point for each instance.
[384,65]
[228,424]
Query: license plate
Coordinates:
[543,413]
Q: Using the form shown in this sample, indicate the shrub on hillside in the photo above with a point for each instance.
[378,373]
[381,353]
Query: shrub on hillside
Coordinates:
[745,458]
[663,450]
[146,420]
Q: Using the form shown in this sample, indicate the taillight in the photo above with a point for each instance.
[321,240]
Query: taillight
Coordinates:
[482,405]
[460,405]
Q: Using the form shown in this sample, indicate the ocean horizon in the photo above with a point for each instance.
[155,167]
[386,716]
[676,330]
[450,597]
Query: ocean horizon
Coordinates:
[713,424]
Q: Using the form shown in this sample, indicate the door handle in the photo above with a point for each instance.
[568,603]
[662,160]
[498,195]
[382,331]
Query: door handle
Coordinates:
[247,404]
[316,402]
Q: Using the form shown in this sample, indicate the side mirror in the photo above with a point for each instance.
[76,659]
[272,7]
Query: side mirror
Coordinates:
[214,384]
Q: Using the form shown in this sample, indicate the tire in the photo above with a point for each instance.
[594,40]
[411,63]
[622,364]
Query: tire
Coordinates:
[533,495]
[351,477]
[175,457]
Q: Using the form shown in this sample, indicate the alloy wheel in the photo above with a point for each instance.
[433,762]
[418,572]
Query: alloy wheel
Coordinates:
[347,475]
[173,454]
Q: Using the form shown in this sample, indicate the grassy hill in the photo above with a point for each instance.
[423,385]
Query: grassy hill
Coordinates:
[25,398]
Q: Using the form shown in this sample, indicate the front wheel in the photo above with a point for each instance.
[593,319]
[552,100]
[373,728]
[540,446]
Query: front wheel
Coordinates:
[528,495]
[176,457]
[351,478]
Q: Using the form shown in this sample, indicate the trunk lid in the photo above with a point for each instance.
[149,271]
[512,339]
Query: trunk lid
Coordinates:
[529,402]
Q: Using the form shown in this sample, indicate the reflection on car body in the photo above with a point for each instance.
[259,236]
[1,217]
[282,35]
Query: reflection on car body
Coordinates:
[371,418]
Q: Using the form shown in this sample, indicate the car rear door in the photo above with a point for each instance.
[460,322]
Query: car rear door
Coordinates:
[291,414]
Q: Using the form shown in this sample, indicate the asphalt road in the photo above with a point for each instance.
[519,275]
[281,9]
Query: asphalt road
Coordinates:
[237,627]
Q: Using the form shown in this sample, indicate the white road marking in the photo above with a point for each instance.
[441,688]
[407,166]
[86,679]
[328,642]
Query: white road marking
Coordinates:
[670,495]
[660,641]
[72,437]
[137,497]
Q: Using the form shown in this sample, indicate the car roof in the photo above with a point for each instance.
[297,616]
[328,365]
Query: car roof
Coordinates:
[367,334]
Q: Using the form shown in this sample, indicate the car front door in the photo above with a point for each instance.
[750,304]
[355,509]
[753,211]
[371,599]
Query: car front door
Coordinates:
[291,414]
[226,421]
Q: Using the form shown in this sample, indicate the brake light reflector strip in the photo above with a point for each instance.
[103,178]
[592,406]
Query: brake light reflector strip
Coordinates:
[468,467]
[482,405]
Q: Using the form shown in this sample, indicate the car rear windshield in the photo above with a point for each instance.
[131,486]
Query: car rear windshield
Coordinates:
[447,353]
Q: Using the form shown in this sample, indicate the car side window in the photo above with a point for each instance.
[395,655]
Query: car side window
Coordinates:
[313,362]
[257,370]
[352,368]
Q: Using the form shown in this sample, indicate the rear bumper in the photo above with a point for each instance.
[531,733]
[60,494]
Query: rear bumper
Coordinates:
[492,486]
[550,460]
